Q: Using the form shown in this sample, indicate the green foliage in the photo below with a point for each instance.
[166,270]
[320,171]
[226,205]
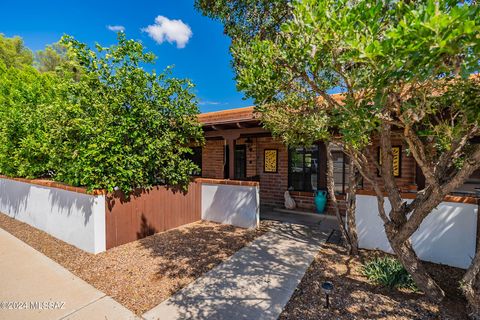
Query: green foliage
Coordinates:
[114,126]
[374,51]
[24,94]
[57,58]
[388,272]
[13,52]
[245,19]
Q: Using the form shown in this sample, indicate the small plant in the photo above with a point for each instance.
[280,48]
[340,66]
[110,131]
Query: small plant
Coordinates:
[388,272]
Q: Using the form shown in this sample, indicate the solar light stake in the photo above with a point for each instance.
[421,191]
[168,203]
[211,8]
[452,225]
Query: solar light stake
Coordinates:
[327,289]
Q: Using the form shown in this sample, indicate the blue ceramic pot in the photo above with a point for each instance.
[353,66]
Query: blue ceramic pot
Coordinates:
[320,200]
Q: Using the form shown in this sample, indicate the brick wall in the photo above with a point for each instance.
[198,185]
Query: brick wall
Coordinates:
[406,181]
[212,159]
[273,185]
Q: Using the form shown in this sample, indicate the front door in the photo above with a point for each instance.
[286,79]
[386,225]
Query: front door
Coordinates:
[240,161]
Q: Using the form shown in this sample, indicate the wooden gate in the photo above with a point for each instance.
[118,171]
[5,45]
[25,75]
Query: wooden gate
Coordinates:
[149,211]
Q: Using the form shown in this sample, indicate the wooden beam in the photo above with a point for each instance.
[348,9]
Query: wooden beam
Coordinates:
[232,132]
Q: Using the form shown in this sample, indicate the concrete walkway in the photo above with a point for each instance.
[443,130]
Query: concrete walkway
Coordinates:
[29,280]
[255,283]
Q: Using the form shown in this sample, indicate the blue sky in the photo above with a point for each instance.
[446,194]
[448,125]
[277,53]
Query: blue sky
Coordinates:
[204,57]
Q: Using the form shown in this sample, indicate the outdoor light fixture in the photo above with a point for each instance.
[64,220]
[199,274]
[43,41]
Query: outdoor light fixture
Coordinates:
[249,143]
[327,289]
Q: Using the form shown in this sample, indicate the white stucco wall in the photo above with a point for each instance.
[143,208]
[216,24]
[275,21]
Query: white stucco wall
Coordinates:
[446,236]
[231,204]
[76,218]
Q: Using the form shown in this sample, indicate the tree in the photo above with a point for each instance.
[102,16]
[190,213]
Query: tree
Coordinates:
[404,68]
[24,148]
[246,19]
[121,126]
[117,126]
[13,52]
[57,58]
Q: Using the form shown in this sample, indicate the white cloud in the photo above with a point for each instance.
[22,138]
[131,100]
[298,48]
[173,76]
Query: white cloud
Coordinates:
[116,28]
[169,30]
[210,103]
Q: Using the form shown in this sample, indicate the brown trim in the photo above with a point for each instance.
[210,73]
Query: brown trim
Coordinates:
[460,199]
[223,116]
[228,182]
[404,195]
[54,184]
[234,133]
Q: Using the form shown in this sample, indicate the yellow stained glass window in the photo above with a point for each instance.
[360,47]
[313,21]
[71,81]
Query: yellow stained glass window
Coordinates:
[270,160]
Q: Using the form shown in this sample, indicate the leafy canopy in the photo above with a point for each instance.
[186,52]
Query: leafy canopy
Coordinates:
[13,52]
[246,19]
[391,59]
[114,126]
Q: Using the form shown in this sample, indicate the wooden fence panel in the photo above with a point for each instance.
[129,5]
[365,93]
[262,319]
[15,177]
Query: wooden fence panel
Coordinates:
[150,211]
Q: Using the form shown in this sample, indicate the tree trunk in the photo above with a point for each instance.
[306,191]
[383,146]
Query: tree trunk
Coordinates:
[333,198]
[471,287]
[351,207]
[415,268]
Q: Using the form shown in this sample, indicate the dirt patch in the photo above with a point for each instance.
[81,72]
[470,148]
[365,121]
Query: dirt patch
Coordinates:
[143,273]
[356,298]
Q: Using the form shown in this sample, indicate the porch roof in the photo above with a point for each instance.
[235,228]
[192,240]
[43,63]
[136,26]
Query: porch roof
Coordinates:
[230,119]
[238,118]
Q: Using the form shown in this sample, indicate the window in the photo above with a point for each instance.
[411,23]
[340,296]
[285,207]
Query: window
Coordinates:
[340,170]
[307,168]
[196,158]
[303,168]
[471,184]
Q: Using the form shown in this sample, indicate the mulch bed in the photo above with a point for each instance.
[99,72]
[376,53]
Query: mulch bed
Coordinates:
[356,298]
[142,274]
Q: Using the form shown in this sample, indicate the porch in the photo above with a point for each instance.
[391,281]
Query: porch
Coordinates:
[238,148]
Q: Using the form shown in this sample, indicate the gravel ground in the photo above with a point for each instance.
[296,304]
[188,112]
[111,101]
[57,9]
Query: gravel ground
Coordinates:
[143,273]
[356,298]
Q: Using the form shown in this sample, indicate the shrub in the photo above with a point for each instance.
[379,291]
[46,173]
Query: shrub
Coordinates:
[107,123]
[388,272]
[24,93]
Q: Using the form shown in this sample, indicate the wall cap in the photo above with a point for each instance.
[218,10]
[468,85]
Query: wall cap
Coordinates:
[54,184]
[228,182]
[412,195]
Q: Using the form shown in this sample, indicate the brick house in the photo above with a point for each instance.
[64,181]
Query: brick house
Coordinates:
[237,147]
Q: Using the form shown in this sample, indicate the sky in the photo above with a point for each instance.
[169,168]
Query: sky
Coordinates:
[173,30]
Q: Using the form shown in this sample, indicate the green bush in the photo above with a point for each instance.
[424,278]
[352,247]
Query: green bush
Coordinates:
[24,148]
[105,123]
[389,272]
